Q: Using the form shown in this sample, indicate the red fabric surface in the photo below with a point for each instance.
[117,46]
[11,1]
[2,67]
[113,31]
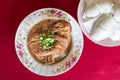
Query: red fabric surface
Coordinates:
[96,63]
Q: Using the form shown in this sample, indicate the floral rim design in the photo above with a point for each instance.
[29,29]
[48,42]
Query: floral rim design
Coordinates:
[52,13]
[20,49]
[71,60]
[23,53]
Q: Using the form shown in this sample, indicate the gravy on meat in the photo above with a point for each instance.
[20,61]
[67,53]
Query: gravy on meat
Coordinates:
[49,41]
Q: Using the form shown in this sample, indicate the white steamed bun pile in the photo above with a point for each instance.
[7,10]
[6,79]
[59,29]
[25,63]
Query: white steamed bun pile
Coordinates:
[102,20]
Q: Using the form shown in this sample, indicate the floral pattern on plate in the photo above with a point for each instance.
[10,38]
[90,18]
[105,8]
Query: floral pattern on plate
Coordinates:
[71,60]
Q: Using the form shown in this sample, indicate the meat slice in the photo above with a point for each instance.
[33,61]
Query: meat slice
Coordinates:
[63,27]
[63,41]
[49,59]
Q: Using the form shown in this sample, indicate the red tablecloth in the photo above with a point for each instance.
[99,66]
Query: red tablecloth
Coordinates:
[96,63]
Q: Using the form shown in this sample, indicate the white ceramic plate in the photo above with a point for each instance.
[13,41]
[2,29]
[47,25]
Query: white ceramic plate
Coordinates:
[23,52]
[80,11]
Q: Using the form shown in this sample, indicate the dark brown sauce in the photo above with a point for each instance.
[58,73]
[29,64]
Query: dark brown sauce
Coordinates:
[35,28]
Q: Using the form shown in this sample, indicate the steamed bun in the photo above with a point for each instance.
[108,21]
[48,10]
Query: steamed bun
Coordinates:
[91,12]
[99,34]
[116,13]
[104,6]
[108,23]
[102,20]
[105,27]
[116,35]
[100,7]
[89,24]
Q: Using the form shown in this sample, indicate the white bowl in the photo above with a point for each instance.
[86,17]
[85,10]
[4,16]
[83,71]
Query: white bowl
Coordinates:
[81,8]
[21,43]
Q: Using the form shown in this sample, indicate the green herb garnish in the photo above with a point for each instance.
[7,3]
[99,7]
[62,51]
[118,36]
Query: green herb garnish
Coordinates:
[47,40]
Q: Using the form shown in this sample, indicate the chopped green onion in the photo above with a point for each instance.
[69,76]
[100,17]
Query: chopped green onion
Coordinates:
[47,39]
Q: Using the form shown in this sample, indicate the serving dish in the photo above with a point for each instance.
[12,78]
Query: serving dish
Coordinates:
[80,13]
[22,49]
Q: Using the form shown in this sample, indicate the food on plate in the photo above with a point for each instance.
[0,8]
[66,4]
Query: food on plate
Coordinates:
[97,8]
[116,13]
[89,24]
[91,12]
[103,28]
[107,23]
[99,34]
[104,6]
[102,20]
[116,35]
[49,41]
